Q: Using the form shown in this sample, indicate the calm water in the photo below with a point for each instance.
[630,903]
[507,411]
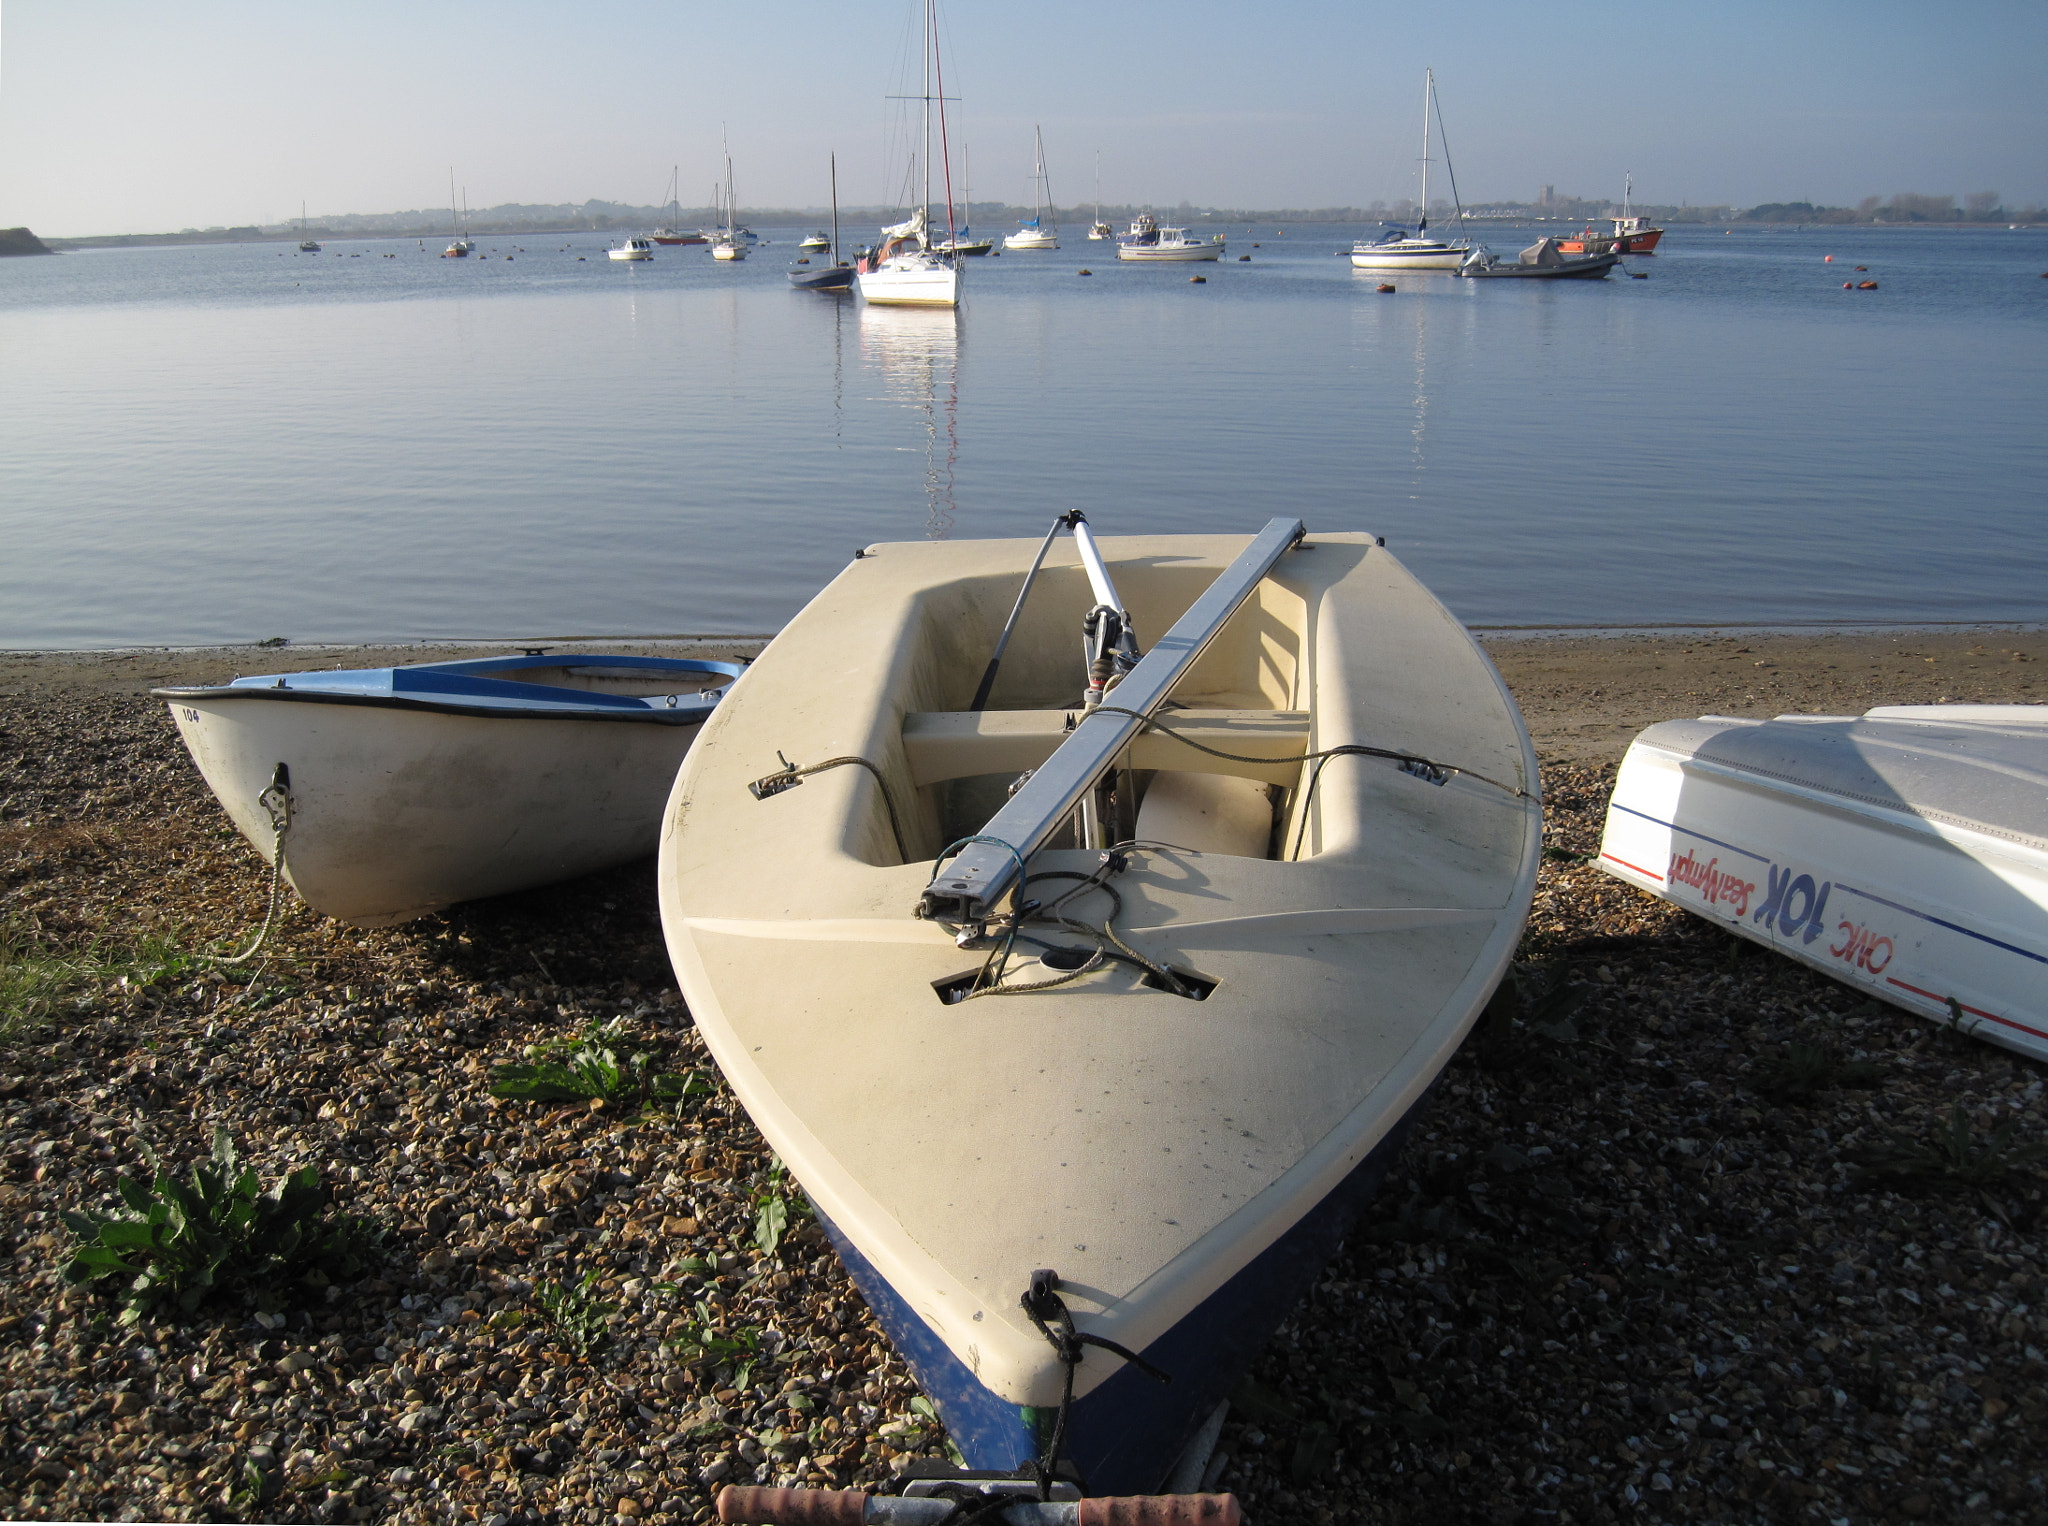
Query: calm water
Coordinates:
[230,443]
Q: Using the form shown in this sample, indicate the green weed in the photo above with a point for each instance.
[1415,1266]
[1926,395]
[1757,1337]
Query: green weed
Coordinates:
[580,1317]
[174,1244]
[594,1065]
[1805,1069]
[39,982]
[776,1208]
[703,1340]
[1954,1155]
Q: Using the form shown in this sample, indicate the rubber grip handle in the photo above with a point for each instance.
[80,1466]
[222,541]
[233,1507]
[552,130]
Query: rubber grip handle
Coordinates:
[792,1507]
[1161,1510]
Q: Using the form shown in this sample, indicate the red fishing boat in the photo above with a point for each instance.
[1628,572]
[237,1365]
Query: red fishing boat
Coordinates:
[1629,235]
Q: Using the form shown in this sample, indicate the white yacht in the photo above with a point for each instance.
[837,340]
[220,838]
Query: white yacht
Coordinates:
[1397,248]
[635,248]
[905,270]
[1034,233]
[1146,240]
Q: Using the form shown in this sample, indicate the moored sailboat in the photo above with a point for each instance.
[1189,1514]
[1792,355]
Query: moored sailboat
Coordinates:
[906,269]
[461,245]
[1033,233]
[671,230]
[1398,249]
[835,274]
[730,242]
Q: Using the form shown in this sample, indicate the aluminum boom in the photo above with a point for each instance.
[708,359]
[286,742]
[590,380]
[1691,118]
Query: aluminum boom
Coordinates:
[970,887]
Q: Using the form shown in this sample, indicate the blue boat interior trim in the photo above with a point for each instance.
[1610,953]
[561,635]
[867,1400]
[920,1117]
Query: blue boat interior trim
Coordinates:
[471,686]
[1126,1433]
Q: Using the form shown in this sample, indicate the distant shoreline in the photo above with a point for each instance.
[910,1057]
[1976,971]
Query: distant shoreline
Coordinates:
[879,216]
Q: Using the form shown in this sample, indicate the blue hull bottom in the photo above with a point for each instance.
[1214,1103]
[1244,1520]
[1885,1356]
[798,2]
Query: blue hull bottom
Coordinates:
[830,278]
[1126,1433]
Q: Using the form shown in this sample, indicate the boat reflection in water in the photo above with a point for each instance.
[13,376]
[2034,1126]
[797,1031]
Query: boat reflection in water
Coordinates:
[917,352]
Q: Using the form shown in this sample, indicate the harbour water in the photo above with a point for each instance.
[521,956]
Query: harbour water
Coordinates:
[229,443]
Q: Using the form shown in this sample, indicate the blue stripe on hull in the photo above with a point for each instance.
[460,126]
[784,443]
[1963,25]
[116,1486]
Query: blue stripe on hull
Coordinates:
[1126,1433]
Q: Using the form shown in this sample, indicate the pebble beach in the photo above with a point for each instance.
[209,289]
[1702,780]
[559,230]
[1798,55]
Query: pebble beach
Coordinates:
[1644,1258]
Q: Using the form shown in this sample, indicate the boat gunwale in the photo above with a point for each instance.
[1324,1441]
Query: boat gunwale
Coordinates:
[1900,816]
[1015,1361]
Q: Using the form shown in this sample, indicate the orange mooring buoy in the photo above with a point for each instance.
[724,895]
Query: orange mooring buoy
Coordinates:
[1827,259]
[1199,280]
[1848,286]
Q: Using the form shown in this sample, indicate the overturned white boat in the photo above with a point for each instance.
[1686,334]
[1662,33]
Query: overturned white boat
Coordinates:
[1904,851]
[393,792]
[1205,924]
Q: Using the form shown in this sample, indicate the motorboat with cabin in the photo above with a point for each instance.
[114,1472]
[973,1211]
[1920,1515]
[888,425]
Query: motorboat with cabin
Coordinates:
[1146,240]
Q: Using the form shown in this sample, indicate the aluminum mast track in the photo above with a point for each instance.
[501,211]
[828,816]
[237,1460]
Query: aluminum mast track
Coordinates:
[992,862]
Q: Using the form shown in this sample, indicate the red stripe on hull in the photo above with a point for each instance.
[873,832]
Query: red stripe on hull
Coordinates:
[1893,980]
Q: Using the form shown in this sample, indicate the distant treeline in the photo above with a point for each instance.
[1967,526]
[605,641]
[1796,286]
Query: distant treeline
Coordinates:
[1905,207]
[520,220]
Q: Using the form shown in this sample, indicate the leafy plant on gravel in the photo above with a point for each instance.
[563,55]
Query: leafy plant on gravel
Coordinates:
[174,1244]
[702,1340]
[594,1065]
[580,1317]
[776,1208]
[1806,1069]
[1955,1155]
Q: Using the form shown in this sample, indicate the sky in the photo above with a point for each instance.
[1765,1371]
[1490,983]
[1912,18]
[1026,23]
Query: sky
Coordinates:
[127,116]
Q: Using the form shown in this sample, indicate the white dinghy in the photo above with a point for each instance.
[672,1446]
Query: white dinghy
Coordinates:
[1904,851]
[393,792]
[1206,922]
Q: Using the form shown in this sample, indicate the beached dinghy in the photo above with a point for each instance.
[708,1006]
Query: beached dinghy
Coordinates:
[1157,1100]
[397,791]
[1904,851]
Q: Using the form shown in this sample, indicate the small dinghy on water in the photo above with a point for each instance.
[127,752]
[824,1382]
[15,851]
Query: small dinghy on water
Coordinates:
[393,792]
[1206,921]
[1541,261]
[1903,851]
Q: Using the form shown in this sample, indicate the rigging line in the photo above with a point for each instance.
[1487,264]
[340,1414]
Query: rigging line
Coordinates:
[988,678]
[945,153]
[790,775]
[1445,139]
[1347,749]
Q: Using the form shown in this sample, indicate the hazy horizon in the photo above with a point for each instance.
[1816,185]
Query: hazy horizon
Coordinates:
[123,118]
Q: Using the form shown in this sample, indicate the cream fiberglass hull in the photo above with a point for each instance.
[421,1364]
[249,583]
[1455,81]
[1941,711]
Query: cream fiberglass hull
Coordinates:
[1145,1146]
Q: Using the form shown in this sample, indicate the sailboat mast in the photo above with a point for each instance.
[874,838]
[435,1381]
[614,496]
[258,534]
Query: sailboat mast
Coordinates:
[1428,88]
[835,206]
[925,74]
[945,148]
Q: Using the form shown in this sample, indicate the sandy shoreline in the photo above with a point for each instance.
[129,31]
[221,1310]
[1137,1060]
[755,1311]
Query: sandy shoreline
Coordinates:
[1582,696]
[1622,1274]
